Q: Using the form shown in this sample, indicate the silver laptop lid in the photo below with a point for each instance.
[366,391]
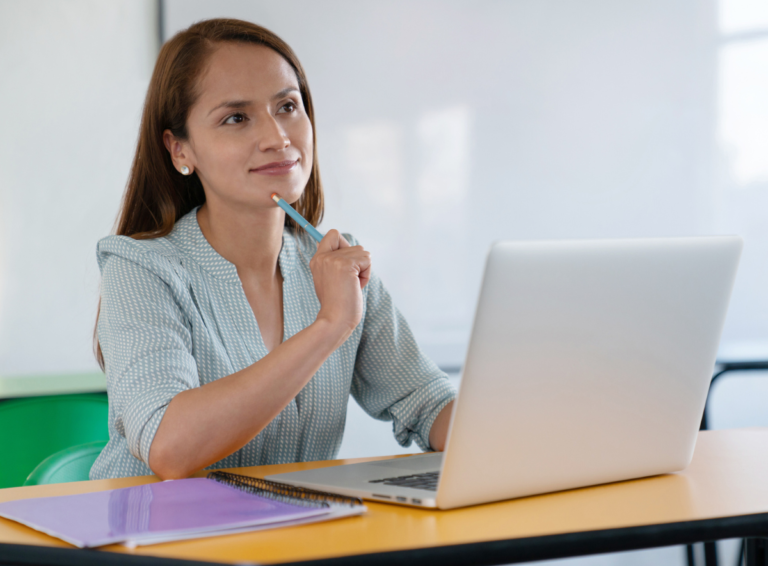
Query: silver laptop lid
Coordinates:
[589,362]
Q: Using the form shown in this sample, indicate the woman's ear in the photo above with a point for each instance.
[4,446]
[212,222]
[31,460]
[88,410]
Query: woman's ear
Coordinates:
[179,153]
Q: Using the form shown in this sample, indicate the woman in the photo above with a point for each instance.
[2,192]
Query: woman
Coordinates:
[229,337]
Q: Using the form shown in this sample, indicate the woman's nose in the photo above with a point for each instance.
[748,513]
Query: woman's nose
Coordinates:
[272,136]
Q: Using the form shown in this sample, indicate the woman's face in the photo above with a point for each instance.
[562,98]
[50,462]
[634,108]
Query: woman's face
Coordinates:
[249,134]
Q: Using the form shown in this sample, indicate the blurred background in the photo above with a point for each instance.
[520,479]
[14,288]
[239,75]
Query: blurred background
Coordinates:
[442,126]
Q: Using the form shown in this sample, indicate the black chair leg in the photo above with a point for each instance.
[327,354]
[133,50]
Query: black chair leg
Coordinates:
[710,553]
[755,552]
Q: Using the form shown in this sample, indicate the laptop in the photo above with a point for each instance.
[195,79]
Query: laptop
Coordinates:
[589,362]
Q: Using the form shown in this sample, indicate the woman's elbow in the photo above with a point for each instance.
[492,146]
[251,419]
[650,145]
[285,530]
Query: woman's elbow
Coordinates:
[165,464]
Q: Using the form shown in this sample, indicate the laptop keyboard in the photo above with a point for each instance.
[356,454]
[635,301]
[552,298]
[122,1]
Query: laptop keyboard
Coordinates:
[427,480]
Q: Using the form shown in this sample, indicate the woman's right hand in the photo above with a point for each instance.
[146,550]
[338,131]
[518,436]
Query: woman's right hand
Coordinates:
[340,273]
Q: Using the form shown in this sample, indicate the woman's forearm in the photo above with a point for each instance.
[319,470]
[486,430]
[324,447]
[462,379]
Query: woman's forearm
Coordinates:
[203,425]
[438,434]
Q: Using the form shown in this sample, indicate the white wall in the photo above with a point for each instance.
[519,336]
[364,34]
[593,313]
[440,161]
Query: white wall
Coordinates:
[73,74]
[445,125]
[442,126]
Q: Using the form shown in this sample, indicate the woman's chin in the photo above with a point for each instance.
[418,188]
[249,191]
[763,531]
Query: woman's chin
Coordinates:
[288,194]
[260,196]
[288,187]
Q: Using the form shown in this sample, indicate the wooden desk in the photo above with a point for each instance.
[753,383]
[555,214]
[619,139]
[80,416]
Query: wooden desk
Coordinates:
[723,494]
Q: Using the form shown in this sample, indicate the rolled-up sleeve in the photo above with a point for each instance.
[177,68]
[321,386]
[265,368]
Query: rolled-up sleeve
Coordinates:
[393,379]
[147,348]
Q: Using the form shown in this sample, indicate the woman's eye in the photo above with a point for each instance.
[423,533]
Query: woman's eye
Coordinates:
[235,119]
[287,107]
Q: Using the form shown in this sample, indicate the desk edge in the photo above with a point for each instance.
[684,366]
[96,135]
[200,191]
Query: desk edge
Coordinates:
[489,552]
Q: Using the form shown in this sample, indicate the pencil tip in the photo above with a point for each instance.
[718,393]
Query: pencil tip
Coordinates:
[275,197]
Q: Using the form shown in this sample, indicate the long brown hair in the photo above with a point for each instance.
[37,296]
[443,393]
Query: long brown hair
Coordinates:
[157,195]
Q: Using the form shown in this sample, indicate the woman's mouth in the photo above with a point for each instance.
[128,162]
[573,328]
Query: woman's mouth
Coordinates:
[276,168]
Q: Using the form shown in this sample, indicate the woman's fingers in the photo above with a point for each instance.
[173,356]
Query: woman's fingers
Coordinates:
[334,243]
[333,240]
[352,259]
[365,275]
[340,271]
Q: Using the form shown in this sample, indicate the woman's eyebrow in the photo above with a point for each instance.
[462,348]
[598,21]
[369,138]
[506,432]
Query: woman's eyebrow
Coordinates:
[231,104]
[245,103]
[285,91]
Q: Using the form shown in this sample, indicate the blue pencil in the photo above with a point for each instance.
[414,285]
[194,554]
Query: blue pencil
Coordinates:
[303,222]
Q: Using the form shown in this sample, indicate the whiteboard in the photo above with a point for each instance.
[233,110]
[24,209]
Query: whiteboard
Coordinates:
[445,125]
[74,75]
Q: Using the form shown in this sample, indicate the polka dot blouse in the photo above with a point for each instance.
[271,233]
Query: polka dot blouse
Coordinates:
[174,316]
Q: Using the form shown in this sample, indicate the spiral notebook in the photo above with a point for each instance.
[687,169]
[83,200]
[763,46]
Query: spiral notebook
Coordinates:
[222,503]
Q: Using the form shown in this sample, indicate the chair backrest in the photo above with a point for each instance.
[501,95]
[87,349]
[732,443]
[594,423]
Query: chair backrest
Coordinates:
[33,428]
[70,464]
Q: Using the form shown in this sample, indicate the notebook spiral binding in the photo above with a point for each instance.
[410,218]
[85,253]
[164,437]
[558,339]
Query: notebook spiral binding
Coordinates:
[283,492]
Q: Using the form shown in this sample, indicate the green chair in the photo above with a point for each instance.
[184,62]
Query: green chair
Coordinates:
[33,428]
[70,464]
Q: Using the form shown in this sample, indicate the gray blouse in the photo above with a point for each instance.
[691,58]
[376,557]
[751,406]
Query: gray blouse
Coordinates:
[174,316]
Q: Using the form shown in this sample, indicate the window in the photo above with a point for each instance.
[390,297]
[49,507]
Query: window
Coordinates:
[741,179]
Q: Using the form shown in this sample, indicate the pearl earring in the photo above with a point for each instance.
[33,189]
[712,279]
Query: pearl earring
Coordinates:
[185,170]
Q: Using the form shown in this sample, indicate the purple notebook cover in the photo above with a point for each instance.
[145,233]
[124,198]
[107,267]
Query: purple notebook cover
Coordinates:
[196,505]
